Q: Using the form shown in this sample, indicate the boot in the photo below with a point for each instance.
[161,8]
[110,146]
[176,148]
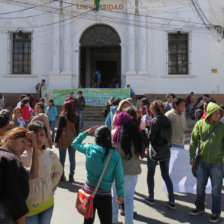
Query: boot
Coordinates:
[63,178]
[71,179]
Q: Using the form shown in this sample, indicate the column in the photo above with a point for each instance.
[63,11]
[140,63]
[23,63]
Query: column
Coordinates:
[142,46]
[131,44]
[67,46]
[56,42]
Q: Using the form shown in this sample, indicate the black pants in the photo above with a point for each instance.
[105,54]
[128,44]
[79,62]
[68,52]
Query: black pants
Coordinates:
[103,204]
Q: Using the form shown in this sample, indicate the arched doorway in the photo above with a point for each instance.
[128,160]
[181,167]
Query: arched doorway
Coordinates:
[100,50]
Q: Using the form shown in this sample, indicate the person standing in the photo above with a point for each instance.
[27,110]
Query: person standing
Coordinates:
[189,103]
[79,107]
[40,201]
[209,133]
[132,92]
[41,116]
[127,140]
[68,129]
[168,105]
[51,112]
[96,157]
[159,137]
[42,88]
[14,187]
[97,79]
[71,98]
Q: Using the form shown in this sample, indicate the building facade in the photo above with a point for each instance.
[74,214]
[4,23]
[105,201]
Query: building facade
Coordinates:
[156,46]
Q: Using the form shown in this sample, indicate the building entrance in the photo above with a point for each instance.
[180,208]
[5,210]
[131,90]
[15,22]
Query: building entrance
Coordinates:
[100,50]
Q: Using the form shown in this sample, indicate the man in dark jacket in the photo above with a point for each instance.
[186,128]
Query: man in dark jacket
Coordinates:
[79,108]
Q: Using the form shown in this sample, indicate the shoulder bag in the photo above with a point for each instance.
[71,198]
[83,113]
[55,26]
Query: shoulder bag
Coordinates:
[200,144]
[84,201]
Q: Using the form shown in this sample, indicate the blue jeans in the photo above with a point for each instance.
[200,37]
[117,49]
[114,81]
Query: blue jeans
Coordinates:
[81,120]
[52,126]
[164,168]
[41,218]
[97,84]
[130,182]
[62,156]
[215,172]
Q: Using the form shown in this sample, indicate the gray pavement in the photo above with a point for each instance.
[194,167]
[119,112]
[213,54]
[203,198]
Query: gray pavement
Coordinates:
[65,197]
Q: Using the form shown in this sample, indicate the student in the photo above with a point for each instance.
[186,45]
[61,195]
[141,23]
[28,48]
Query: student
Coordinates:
[17,117]
[68,129]
[79,108]
[96,157]
[26,112]
[159,137]
[40,201]
[40,116]
[51,112]
[4,122]
[127,140]
[14,187]
[210,131]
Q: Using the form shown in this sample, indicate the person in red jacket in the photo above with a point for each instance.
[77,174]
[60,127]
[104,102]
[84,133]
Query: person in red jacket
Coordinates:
[26,112]
[71,99]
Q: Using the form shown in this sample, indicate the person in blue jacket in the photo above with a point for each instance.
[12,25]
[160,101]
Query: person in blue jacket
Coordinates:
[96,157]
[51,112]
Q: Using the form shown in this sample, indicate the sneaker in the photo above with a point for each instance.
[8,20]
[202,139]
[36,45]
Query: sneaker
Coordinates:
[196,211]
[214,218]
[71,179]
[149,200]
[171,205]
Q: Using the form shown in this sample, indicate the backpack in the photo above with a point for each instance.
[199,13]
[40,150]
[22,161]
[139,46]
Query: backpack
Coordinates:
[68,134]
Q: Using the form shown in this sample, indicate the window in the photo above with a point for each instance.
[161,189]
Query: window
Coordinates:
[21,58]
[177,54]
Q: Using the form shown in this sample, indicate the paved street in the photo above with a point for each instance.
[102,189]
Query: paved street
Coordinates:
[65,212]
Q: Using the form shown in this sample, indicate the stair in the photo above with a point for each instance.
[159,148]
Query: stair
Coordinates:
[91,113]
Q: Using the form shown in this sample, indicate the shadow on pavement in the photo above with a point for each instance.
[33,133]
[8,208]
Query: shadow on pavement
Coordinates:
[73,187]
[145,219]
[181,214]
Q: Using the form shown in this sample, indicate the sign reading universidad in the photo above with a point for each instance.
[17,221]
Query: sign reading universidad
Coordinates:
[93,97]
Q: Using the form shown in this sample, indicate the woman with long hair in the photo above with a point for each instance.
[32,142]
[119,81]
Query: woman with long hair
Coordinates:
[40,201]
[128,141]
[96,157]
[41,116]
[68,129]
[14,187]
[159,137]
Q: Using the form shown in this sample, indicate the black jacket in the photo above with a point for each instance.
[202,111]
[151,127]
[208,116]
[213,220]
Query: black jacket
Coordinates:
[14,187]
[80,103]
[160,130]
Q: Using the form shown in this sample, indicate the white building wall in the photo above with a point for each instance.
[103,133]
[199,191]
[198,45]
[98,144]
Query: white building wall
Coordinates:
[151,76]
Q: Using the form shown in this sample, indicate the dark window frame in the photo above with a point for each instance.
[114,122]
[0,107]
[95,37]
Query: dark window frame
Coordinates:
[178,53]
[21,53]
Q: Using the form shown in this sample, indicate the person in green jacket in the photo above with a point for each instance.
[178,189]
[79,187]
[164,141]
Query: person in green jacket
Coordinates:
[96,157]
[211,159]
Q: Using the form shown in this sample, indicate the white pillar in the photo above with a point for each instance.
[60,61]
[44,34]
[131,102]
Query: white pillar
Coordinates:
[142,46]
[131,45]
[67,46]
[56,42]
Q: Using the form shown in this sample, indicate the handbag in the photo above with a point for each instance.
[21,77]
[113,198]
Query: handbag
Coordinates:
[68,135]
[160,152]
[84,201]
[200,145]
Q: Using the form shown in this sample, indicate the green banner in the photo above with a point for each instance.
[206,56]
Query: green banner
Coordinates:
[93,97]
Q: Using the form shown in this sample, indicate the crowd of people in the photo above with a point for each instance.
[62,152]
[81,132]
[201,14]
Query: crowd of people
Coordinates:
[30,170]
